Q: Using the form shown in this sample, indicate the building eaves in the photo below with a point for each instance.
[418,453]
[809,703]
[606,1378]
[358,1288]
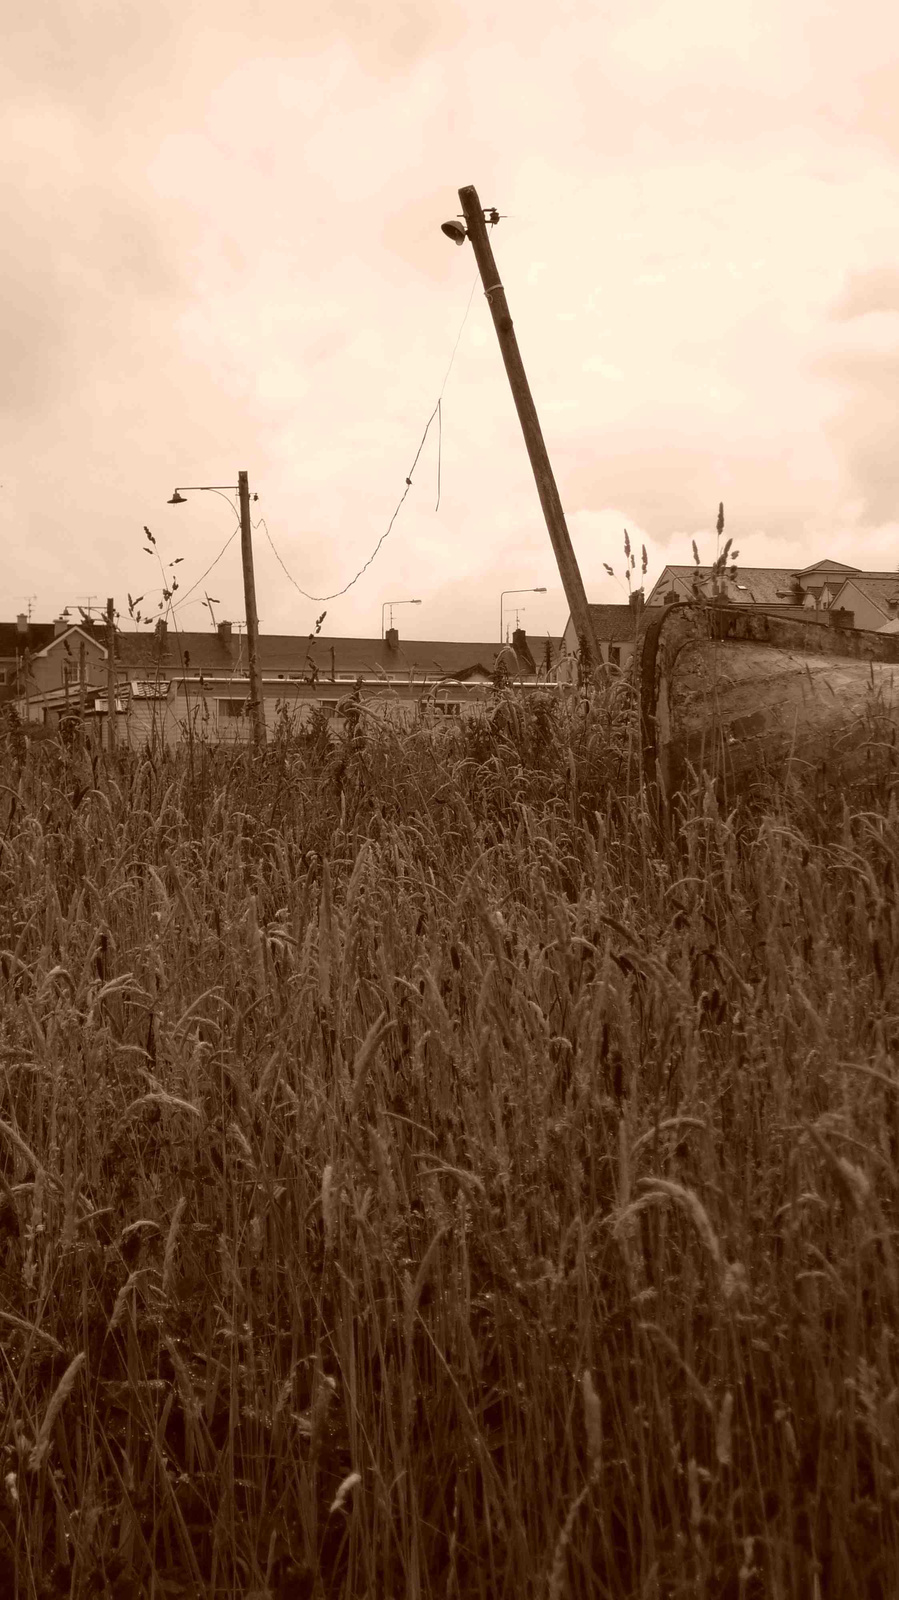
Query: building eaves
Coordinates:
[65,641]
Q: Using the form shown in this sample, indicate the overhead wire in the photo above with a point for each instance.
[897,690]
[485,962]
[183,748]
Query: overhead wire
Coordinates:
[438,413]
[218,558]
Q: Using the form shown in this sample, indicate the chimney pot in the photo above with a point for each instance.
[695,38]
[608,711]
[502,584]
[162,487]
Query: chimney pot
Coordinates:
[392,639]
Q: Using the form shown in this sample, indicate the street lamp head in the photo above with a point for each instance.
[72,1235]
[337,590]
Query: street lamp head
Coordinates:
[177,500]
[454,231]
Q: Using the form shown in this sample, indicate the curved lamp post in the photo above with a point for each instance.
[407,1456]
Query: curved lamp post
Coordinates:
[502,598]
[391,604]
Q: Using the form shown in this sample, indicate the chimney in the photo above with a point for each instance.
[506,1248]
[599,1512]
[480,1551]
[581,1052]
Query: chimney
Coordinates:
[672,597]
[392,639]
[224,632]
[160,630]
[636,600]
[21,623]
[60,625]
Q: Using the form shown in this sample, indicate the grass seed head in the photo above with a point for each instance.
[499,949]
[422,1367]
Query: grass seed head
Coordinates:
[723,1442]
[329,1206]
[58,1399]
[592,1421]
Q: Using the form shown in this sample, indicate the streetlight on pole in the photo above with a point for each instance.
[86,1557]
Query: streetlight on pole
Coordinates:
[502,598]
[242,486]
[391,604]
[474,228]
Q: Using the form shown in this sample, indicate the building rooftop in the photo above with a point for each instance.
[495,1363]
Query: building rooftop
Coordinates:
[210,652]
[37,635]
[224,652]
[766,585]
[615,622]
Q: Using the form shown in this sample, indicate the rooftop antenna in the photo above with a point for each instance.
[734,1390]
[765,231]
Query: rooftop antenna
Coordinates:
[29,598]
[89,603]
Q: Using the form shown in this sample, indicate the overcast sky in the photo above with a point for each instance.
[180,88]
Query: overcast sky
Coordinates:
[223,250]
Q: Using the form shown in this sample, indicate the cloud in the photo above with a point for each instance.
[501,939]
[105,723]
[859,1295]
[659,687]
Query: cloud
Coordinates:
[865,431]
[223,250]
[874,290]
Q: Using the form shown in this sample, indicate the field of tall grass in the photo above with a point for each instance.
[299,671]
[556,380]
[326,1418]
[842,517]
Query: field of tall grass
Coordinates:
[418,1178]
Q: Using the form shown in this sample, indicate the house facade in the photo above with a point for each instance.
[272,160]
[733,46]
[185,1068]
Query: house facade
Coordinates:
[871,598]
[23,641]
[616,629]
[171,686]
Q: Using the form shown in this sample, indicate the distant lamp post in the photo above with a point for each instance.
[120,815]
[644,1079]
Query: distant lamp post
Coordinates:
[242,488]
[502,607]
[391,604]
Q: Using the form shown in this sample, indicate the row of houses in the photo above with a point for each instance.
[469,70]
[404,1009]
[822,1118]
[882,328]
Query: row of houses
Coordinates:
[868,600]
[830,592]
[170,683]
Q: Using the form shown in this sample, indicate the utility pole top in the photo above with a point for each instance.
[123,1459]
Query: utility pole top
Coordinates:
[554,516]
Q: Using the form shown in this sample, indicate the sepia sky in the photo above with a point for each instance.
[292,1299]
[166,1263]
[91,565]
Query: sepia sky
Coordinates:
[222,250]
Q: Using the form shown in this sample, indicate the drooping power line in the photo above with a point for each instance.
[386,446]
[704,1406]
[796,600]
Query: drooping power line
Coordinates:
[438,413]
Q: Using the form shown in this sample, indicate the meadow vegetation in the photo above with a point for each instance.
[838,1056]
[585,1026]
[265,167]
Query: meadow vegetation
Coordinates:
[420,1178]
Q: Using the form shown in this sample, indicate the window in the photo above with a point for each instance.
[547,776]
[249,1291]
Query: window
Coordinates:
[232,708]
[329,707]
[448,708]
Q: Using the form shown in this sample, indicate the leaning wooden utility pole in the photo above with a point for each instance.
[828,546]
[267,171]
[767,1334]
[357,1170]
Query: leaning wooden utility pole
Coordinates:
[110,676]
[569,570]
[249,589]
